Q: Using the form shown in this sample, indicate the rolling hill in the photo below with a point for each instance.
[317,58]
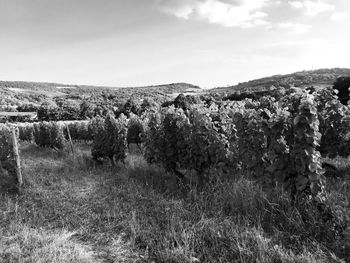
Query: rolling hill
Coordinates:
[16,93]
[320,77]
[20,92]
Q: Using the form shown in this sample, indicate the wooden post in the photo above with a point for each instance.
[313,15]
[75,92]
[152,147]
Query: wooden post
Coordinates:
[70,140]
[17,159]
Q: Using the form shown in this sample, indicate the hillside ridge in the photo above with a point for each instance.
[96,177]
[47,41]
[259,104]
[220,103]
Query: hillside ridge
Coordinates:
[318,77]
[54,85]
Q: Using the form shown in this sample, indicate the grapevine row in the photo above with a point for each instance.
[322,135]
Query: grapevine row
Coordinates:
[272,141]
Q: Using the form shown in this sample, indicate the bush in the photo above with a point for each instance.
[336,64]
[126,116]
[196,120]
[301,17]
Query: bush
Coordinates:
[135,131]
[8,166]
[342,84]
[26,132]
[274,142]
[177,141]
[95,126]
[110,139]
[49,134]
[79,131]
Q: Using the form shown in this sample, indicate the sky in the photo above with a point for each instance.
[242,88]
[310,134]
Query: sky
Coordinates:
[209,43]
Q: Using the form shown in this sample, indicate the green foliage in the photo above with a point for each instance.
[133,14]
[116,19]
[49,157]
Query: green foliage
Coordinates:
[193,142]
[8,166]
[95,126]
[334,120]
[27,107]
[26,132]
[229,220]
[147,105]
[153,139]
[251,139]
[182,102]
[70,111]
[49,134]
[48,112]
[136,130]
[210,143]
[275,142]
[173,136]
[342,85]
[110,139]
[131,106]
[278,144]
[86,110]
[64,110]
[79,131]
[307,160]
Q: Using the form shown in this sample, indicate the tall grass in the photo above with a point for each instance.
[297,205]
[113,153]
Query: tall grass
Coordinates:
[137,212]
[19,243]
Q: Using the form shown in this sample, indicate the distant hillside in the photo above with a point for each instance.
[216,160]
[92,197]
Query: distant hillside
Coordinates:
[68,88]
[320,77]
[20,92]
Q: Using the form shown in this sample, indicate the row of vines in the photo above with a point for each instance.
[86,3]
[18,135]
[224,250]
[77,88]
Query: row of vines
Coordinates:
[274,141]
[46,133]
[107,135]
[10,170]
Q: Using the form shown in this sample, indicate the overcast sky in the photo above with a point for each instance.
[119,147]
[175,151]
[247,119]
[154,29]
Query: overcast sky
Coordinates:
[141,42]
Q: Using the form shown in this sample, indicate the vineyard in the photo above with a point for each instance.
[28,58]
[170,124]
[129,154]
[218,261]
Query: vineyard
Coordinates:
[10,170]
[276,142]
[279,142]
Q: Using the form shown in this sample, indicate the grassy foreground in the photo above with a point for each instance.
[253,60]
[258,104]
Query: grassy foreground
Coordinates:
[72,211]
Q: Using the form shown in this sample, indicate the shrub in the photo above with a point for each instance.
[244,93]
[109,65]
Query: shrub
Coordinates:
[136,131]
[342,84]
[94,126]
[49,134]
[8,166]
[26,132]
[177,141]
[79,131]
[110,139]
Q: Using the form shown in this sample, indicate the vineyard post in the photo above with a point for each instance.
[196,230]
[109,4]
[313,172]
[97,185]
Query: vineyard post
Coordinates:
[17,159]
[70,140]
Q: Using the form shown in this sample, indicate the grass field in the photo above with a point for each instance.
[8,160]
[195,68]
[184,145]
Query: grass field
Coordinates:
[73,211]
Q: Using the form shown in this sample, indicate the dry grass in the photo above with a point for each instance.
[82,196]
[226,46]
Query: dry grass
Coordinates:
[19,243]
[72,211]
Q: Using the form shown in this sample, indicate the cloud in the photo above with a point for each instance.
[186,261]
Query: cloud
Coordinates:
[294,28]
[228,13]
[312,7]
[300,50]
[338,16]
[296,44]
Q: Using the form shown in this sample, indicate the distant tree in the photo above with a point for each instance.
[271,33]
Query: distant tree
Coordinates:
[182,102]
[311,89]
[98,111]
[193,99]
[148,104]
[86,110]
[207,99]
[48,111]
[167,104]
[27,107]
[130,107]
